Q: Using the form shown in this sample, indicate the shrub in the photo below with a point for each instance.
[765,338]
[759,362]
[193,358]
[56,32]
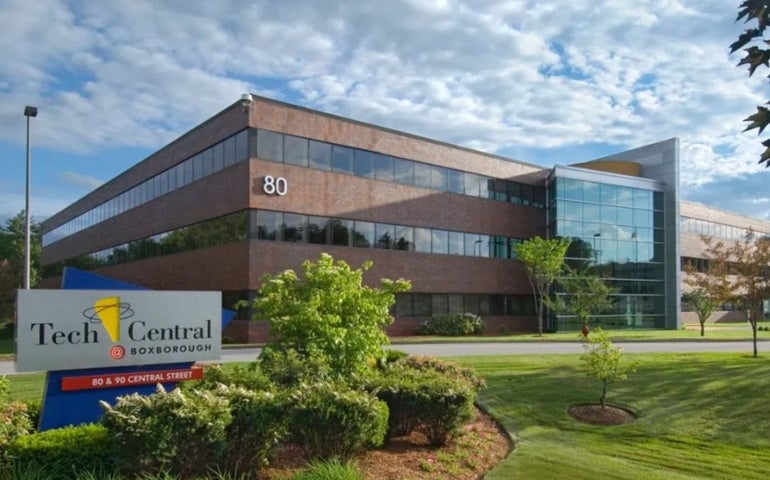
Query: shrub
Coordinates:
[287,367]
[182,433]
[328,312]
[330,420]
[452,325]
[247,376]
[64,452]
[333,469]
[427,395]
[259,423]
[14,419]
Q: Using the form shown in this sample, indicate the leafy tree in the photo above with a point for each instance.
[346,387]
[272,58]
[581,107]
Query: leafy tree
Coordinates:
[603,361]
[584,295]
[703,303]
[745,265]
[12,239]
[755,56]
[544,260]
[328,314]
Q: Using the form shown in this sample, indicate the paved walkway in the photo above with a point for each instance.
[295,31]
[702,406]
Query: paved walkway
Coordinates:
[515,348]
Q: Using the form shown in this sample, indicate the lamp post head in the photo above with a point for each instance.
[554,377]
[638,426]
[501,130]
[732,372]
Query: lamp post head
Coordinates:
[30,111]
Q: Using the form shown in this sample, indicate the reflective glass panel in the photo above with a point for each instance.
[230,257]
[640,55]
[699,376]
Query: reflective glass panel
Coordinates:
[295,150]
[320,155]
[363,164]
[270,146]
[342,159]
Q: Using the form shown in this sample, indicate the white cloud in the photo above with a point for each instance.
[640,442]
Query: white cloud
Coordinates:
[493,75]
[80,180]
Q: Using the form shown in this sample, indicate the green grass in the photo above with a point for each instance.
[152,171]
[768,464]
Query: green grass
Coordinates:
[714,332]
[701,416]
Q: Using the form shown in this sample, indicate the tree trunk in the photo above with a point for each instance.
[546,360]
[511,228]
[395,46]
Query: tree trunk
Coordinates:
[701,328]
[604,393]
[754,334]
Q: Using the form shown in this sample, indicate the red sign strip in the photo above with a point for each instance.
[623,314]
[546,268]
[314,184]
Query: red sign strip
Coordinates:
[112,380]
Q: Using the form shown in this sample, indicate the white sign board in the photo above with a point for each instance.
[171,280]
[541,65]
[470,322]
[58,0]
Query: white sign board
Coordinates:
[72,329]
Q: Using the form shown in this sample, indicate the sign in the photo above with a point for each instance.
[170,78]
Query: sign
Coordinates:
[72,329]
[115,380]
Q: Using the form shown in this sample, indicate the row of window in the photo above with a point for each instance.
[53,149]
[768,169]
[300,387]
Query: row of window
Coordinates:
[429,304]
[303,152]
[291,227]
[222,155]
[623,218]
[702,227]
[278,147]
[606,194]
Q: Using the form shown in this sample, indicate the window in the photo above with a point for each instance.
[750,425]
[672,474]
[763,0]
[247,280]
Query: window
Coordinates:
[422,240]
[384,167]
[404,171]
[294,227]
[384,233]
[363,234]
[295,150]
[440,242]
[241,146]
[270,146]
[317,230]
[439,178]
[268,225]
[207,159]
[456,244]
[363,164]
[422,175]
[320,155]
[404,238]
[229,155]
[456,181]
[341,231]
[342,159]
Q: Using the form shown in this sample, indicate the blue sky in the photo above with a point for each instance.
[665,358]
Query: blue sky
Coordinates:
[546,82]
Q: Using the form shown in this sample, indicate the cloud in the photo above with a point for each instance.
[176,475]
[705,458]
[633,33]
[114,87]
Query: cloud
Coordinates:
[80,180]
[496,75]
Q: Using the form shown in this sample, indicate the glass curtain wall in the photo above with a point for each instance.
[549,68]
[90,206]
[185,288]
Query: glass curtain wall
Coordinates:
[617,233]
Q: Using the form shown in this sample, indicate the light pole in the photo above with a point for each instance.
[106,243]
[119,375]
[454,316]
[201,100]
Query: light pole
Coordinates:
[28,112]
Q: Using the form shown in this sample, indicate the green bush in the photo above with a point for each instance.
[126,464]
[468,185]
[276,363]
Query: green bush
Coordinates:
[247,376]
[427,395]
[287,367]
[330,420]
[183,433]
[64,452]
[14,419]
[333,469]
[452,325]
[259,423]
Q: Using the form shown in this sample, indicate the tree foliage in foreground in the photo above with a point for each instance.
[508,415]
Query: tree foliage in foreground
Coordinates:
[544,261]
[603,361]
[757,54]
[327,314]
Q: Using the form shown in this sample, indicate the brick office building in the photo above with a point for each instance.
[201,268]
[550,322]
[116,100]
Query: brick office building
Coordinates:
[264,185]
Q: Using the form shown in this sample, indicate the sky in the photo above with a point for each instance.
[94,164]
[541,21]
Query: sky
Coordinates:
[541,81]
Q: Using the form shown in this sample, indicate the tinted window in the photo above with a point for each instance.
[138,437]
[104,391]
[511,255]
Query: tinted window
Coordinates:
[456,181]
[207,160]
[363,164]
[439,178]
[320,155]
[295,150]
[317,230]
[363,234]
[440,241]
[422,175]
[383,167]
[294,227]
[270,146]
[340,231]
[229,157]
[422,240]
[404,171]
[384,233]
[268,225]
[404,238]
[342,159]
[242,145]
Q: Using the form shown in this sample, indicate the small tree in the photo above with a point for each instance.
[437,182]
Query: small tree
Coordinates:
[603,361]
[584,295]
[328,315]
[742,270]
[703,303]
[544,260]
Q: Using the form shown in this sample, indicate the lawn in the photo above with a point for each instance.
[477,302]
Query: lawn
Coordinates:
[714,332]
[700,416]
